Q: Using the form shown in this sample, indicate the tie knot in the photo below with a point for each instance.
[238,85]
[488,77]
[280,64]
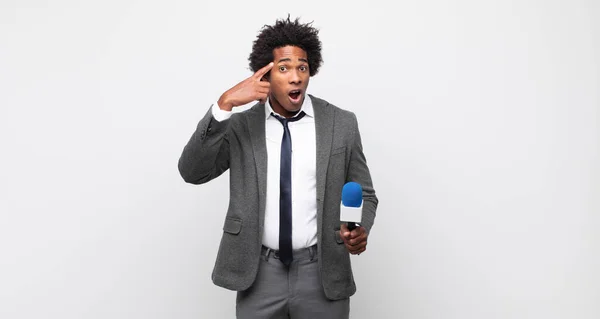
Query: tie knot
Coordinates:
[284,120]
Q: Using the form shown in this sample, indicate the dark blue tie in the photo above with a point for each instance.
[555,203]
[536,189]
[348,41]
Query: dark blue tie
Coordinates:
[285,191]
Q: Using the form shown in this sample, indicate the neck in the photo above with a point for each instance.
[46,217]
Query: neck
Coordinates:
[281,110]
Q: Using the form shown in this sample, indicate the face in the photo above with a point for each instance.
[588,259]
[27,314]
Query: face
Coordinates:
[289,79]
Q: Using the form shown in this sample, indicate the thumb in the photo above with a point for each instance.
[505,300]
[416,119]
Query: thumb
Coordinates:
[344,231]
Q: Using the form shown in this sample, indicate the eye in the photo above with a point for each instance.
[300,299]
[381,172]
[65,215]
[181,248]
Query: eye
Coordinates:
[303,68]
[282,68]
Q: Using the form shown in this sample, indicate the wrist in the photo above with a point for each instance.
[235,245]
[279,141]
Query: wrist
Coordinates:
[224,103]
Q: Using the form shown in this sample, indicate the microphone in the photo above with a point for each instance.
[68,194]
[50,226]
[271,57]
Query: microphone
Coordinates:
[351,207]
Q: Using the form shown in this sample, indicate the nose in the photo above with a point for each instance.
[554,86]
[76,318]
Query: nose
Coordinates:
[295,77]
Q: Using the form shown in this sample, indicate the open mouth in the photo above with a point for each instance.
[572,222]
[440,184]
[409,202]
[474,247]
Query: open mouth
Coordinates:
[295,95]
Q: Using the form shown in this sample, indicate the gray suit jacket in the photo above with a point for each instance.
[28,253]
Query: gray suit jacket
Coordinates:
[238,144]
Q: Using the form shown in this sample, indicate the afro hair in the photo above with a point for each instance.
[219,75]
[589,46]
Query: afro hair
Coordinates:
[283,33]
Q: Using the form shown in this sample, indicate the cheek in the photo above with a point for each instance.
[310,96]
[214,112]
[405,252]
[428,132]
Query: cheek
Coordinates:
[277,88]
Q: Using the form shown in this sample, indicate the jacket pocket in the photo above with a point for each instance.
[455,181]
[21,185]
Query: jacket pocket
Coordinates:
[338,237]
[232,225]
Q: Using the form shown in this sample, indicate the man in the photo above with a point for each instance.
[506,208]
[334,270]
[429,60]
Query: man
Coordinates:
[283,247]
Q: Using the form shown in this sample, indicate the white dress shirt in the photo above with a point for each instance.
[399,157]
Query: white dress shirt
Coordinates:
[304,176]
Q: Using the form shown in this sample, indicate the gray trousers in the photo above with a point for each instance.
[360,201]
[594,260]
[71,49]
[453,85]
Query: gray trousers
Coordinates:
[295,292]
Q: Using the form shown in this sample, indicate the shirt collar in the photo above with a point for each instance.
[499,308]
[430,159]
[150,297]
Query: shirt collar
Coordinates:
[307,107]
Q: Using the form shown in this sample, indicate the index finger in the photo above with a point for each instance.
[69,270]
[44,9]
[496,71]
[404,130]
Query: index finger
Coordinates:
[259,74]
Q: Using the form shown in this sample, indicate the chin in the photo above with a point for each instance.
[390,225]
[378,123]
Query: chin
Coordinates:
[293,108]
[288,105]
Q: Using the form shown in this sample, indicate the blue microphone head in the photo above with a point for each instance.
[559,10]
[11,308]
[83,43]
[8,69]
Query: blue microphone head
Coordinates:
[352,194]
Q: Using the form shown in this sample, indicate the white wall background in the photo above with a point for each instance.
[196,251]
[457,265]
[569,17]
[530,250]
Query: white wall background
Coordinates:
[486,159]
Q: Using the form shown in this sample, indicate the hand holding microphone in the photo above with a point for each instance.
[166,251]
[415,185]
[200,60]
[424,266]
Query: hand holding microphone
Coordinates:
[354,236]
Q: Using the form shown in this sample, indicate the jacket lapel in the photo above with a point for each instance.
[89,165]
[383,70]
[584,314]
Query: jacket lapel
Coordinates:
[256,128]
[324,134]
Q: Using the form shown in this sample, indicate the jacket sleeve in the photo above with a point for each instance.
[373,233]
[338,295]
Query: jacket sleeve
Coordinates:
[358,172]
[206,155]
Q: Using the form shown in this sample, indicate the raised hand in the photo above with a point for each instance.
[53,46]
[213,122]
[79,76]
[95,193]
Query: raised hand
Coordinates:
[251,89]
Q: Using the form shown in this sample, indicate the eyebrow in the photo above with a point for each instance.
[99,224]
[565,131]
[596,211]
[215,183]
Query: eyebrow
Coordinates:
[289,60]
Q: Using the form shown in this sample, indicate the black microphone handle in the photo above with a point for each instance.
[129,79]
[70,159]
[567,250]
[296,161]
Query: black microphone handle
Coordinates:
[351,226]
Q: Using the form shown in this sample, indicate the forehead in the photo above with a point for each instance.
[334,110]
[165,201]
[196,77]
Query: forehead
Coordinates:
[290,52]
